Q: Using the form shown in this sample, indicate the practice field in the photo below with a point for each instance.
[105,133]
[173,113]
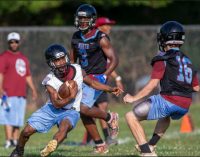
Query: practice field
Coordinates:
[172,144]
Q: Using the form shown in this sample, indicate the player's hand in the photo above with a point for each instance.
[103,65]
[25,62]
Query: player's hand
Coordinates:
[73,88]
[120,85]
[128,98]
[117,91]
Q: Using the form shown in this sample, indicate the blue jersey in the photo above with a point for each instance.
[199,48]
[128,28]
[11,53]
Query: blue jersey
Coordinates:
[89,52]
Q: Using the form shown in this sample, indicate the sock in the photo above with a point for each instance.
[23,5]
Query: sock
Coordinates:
[155,138]
[98,142]
[105,132]
[108,117]
[145,148]
[14,142]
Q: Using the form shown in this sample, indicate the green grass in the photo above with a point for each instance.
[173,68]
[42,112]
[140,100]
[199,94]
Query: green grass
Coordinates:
[172,144]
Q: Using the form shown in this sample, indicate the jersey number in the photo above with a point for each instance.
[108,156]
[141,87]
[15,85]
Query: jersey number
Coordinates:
[185,72]
[84,61]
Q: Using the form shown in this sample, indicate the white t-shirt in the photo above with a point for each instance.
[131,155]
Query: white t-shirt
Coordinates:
[54,82]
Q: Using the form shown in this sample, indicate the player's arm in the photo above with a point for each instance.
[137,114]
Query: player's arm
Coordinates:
[110,54]
[150,86]
[156,75]
[99,86]
[55,98]
[118,79]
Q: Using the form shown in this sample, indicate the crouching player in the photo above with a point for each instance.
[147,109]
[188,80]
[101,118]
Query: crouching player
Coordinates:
[178,80]
[63,112]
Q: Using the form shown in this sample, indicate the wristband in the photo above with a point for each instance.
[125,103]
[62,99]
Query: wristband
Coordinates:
[118,78]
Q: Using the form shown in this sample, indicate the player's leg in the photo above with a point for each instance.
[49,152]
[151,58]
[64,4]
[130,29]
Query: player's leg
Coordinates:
[90,95]
[23,138]
[161,127]
[110,118]
[173,111]
[60,135]
[66,121]
[90,125]
[103,105]
[140,112]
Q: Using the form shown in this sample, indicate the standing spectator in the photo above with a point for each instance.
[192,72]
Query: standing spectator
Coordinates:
[104,24]
[14,77]
[92,48]
[178,80]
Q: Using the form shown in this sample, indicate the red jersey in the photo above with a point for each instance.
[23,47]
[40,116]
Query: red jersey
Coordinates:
[158,72]
[15,68]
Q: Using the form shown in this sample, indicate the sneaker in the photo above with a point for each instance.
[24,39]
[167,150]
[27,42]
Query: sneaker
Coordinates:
[148,154]
[101,149]
[152,148]
[17,153]
[8,144]
[113,125]
[50,147]
[110,141]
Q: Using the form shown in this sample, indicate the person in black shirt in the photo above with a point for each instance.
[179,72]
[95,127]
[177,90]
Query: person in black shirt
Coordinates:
[91,48]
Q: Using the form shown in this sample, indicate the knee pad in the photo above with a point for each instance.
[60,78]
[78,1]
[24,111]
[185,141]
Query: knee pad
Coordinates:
[141,110]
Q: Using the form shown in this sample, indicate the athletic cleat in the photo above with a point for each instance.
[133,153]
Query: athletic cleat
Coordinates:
[8,144]
[113,125]
[101,149]
[152,148]
[149,154]
[50,147]
[110,141]
[17,153]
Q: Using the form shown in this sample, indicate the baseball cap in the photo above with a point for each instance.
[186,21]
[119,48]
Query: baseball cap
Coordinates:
[103,21]
[13,36]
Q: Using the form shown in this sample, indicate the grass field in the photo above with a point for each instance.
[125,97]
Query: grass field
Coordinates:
[172,144]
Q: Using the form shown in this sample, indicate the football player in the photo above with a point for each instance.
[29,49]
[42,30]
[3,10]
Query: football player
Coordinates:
[178,80]
[92,48]
[61,112]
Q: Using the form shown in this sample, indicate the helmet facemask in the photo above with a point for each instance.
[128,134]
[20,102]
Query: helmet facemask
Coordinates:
[60,70]
[174,38]
[171,33]
[84,23]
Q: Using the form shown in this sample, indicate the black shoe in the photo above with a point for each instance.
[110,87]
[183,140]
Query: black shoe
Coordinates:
[17,153]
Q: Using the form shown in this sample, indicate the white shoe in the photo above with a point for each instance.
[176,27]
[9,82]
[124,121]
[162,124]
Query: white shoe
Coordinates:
[149,154]
[152,148]
[50,147]
[7,144]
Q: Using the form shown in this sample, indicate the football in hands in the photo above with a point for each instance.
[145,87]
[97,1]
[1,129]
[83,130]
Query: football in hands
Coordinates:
[64,90]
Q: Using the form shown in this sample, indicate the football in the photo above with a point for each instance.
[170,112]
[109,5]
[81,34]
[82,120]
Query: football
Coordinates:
[64,91]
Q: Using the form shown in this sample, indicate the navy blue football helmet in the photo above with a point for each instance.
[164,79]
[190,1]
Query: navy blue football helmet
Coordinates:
[54,52]
[171,32]
[85,11]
